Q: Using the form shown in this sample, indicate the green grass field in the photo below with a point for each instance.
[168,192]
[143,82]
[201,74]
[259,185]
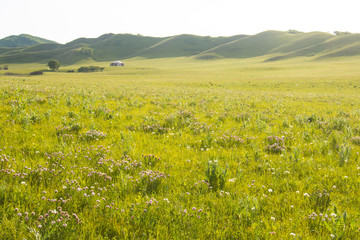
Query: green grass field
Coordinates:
[179,148]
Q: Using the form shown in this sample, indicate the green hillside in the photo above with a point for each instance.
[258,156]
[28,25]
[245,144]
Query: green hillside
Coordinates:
[273,45]
[300,41]
[331,47]
[22,40]
[42,54]
[121,46]
[253,46]
[185,45]
[89,40]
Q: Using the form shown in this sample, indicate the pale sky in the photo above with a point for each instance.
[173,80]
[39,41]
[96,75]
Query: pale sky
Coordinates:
[66,20]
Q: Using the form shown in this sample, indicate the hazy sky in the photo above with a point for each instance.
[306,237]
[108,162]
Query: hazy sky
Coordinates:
[66,20]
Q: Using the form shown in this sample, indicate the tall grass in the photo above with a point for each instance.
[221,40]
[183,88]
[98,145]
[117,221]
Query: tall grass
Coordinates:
[177,148]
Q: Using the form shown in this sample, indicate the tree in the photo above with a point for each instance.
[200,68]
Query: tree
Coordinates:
[54,65]
[338,33]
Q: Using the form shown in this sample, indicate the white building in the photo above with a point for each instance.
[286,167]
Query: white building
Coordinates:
[117,63]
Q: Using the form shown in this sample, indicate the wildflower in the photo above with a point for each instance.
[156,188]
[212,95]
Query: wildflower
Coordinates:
[19,214]
[194,208]
[270,190]
[333,215]
[306,195]
[332,235]
[53,222]
[232,180]
[24,183]
[39,226]
[64,224]
[272,218]
[292,234]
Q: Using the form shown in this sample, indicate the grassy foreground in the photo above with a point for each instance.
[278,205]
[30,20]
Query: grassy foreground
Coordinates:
[182,149]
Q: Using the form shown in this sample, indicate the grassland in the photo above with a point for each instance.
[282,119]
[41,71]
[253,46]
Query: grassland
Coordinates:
[179,148]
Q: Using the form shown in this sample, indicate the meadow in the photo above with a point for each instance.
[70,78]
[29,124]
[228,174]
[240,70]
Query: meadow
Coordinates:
[179,148]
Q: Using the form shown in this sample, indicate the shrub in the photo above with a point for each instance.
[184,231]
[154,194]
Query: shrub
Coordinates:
[87,51]
[91,69]
[37,73]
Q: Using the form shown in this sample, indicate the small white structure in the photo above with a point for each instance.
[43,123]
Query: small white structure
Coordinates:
[117,63]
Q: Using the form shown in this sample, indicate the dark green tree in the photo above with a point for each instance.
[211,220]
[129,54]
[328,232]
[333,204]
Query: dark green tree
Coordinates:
[54,65]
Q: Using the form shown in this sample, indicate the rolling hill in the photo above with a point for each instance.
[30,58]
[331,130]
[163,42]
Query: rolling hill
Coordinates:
[273,45]
[22,40]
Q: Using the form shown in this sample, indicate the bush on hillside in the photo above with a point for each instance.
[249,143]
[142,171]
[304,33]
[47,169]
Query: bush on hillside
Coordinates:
[87,51]
[208,56]
[91,69]
[293,31]
[339,33]
[37,73]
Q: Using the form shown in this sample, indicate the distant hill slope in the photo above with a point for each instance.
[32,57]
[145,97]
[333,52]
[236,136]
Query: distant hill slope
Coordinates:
[22,40]
[273,45]
[185,45]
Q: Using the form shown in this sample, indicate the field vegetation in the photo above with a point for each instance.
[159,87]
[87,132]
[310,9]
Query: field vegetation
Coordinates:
[182,148]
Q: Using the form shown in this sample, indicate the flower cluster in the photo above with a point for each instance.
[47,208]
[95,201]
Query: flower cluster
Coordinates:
[93,135]
[150,180]
[228,141]
[356,140]
[154,128]
[151,160]
[52,217]
[275,144]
